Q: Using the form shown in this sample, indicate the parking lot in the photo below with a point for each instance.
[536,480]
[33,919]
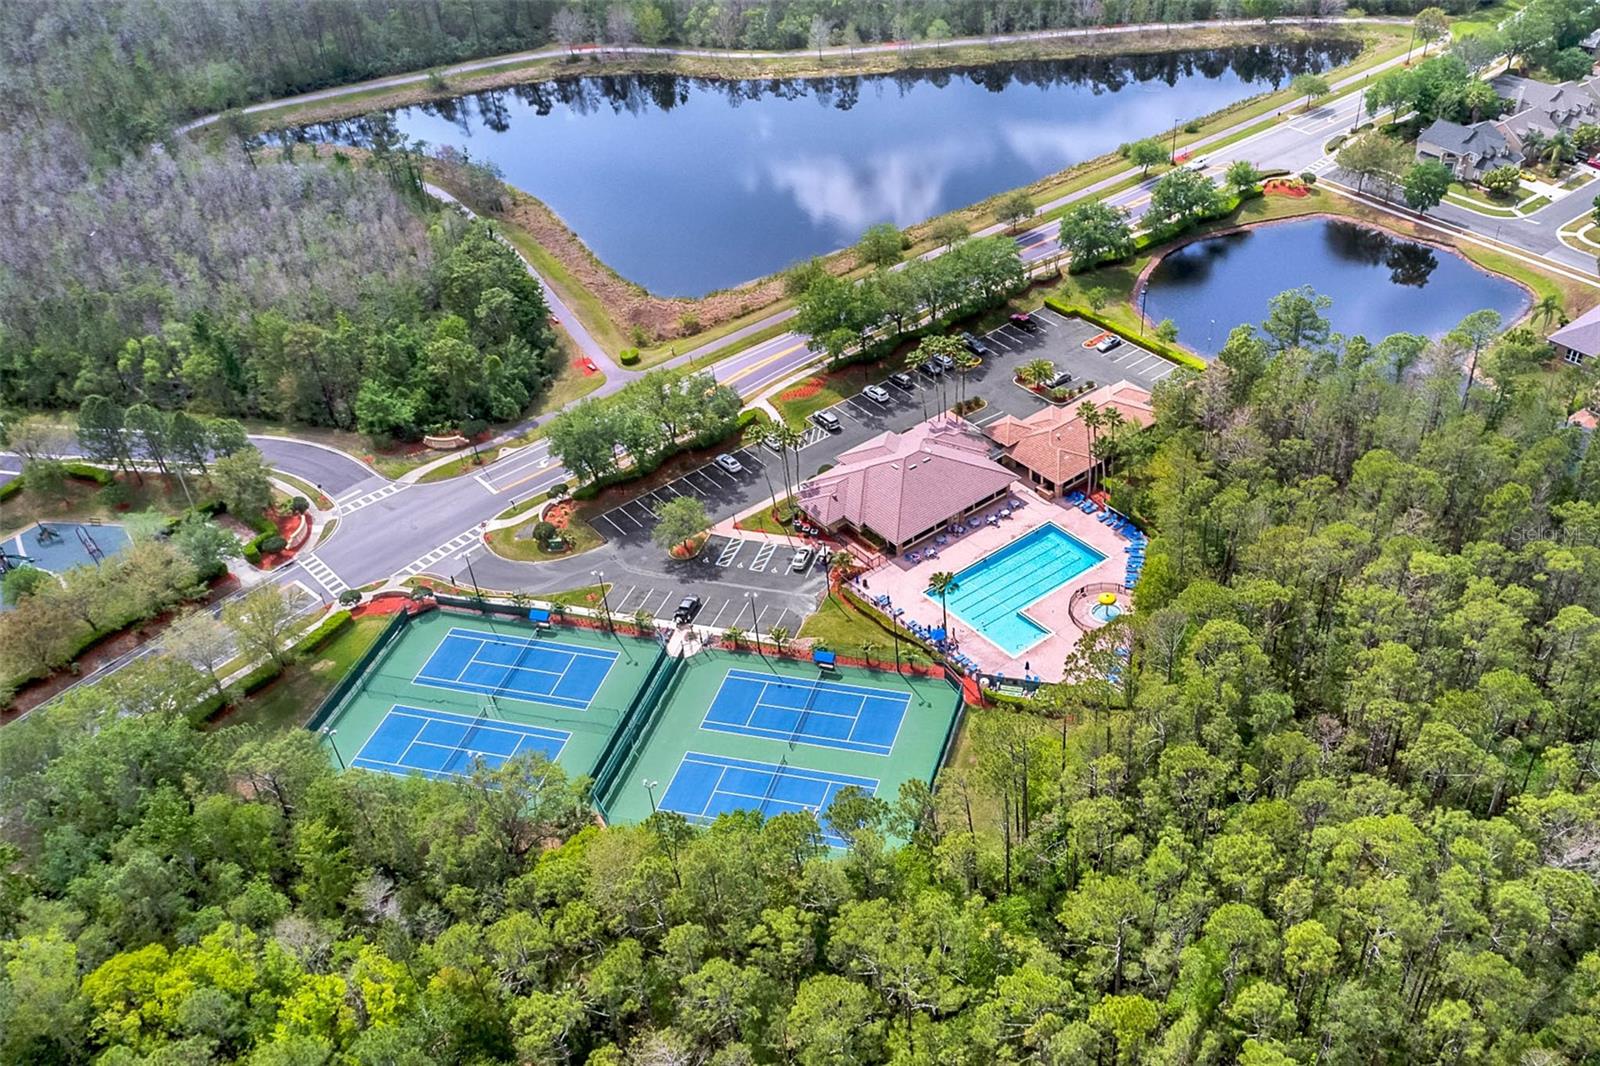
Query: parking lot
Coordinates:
[723,493]
[1055,337]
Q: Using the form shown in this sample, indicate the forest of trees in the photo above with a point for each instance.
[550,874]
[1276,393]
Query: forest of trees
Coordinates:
[304,290]
[127,71]
[1337,805]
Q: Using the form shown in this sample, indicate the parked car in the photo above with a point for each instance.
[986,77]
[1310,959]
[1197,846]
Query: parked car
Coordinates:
[801,560]
[935,365]
[729,463]
[1108,342]
[1023,320]
[903,380]
[876,393]
[828,421]
[688,607]
[944,362]
[1063,378]
[975,345]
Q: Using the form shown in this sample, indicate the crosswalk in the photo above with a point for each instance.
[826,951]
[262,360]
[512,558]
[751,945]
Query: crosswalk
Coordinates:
[350,506]
[449,547]
[321,573]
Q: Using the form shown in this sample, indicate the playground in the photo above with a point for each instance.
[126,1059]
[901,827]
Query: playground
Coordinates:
[59,546]
[742,731]
[450,690]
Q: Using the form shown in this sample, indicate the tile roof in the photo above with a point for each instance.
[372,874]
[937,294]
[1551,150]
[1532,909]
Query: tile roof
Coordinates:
[1582,334]
[900,484]
[1055,443]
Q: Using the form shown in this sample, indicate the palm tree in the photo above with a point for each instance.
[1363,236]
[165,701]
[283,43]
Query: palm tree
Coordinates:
[915,360]
[944,583]
[966,362]
[1556,150]
[755,436]
[1548,309]
[1092,420]
[785,437]
[1035,372]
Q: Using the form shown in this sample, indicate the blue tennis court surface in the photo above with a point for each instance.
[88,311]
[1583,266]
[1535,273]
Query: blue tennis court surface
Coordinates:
[440,744]
[519,668]
[828,714]
[708,785]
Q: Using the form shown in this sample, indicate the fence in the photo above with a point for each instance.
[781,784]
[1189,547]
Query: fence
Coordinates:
[357,673]
[629,736]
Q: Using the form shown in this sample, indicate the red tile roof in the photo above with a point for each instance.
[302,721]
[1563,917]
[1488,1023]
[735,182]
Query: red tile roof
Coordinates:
[1055,443]
[900,484]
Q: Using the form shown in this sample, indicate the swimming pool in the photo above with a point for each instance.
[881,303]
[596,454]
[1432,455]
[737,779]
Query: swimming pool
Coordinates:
[991,593]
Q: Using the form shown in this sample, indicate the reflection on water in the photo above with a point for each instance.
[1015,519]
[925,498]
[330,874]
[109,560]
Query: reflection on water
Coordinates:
[1380,283]
[687,185]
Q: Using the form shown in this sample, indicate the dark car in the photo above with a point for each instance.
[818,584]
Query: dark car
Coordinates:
[688,607]
[1023,320]
[942,361]
[935,365]
[975,345]
[903,380]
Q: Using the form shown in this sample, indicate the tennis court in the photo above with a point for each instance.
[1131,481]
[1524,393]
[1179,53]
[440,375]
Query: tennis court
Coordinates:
[829,714]
[534,668]
[563,691]
[738,731]
[708,785]
[441,744]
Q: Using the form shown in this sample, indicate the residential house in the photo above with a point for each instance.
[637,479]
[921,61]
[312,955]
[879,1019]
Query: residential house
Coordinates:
[1579,340]
[1053,448]
[1469,151]
[899,488]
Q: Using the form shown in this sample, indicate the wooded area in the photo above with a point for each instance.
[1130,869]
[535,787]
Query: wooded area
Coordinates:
[1338,805]
[316,290]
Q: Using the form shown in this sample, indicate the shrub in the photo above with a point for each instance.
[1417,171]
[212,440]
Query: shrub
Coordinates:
[299,505]
[543,531]
[1192,126]
[689,324]
[1308,177]
[628,356]
[91,473]
[274,543]
[115,494]
[350,597]
[252,553]
[11,488]
[558,490]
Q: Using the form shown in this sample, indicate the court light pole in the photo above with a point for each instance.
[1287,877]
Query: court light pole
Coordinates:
[600,579]
[650,787]
[755,623]
[332,743]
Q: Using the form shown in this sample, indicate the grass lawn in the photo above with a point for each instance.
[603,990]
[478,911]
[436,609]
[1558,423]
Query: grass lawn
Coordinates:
[763,522]
[806,398]
[579,534]
[585,304]
[82,500]
[845,629]
[295,695]
[306,489]
[1485,199]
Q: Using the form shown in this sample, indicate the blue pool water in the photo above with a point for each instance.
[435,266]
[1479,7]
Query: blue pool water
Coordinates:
[991,593]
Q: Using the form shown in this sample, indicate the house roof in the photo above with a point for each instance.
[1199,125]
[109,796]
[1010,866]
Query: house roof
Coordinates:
[1055,442]
[900,484]
[1481,140]
[1582,334]
[1537,105]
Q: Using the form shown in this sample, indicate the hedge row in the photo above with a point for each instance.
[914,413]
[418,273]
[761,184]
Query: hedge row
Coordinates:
[91,473]
[1168,351]
[268,671]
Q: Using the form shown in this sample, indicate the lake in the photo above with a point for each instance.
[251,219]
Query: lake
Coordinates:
[688,185]
[1380,283]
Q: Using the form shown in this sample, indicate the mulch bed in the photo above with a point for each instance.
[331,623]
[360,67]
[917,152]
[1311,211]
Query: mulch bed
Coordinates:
[803,391]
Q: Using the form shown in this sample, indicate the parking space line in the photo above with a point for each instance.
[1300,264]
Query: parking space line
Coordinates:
[858,406]
[759,563]
[623,511]
[1055,314]
[994,338]
[713,473]
[730,551]
[1165,371]
[720,612]
[1135,367]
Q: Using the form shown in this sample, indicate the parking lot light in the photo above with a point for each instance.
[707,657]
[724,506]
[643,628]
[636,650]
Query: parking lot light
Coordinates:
[650,787]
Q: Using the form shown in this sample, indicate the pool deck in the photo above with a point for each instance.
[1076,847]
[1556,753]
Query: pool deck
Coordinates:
[906,584]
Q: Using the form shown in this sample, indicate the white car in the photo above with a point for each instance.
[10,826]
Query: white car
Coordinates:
[801,560]
[876,393]
[729,463]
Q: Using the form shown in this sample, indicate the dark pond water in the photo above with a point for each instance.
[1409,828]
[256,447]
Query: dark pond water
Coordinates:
[688,185]
[1380,284]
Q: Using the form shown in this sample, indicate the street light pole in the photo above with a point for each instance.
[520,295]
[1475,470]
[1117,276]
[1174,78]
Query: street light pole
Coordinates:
[600,579]
[650,787]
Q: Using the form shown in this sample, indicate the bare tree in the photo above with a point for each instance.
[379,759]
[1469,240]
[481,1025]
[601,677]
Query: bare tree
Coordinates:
[569,27]
[260,620]
[621,30]
[201,641]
